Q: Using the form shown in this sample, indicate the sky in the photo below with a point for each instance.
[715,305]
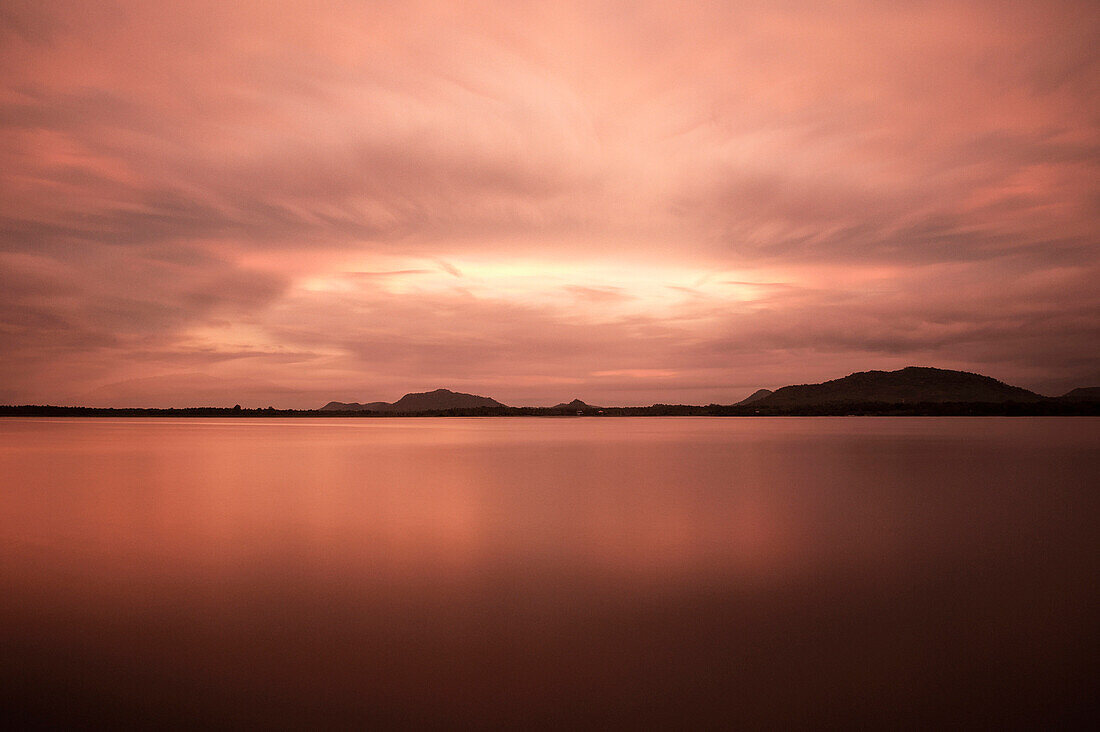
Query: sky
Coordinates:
[286,203]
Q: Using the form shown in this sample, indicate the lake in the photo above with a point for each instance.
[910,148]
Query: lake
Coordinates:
[557,572]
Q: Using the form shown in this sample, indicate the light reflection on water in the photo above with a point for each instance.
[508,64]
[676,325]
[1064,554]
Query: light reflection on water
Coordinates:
[552,571]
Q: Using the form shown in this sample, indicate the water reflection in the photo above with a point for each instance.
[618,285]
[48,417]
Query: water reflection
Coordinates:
[514,571]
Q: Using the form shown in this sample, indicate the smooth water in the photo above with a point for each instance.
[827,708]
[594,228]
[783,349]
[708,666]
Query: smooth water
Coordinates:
[531,572]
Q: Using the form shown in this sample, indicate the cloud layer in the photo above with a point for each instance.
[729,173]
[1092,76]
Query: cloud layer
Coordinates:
[623,202]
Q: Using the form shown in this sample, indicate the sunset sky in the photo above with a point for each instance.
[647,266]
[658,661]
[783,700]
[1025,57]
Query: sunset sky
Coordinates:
[287,203]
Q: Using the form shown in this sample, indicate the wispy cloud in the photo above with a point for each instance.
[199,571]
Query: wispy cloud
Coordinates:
[517,198]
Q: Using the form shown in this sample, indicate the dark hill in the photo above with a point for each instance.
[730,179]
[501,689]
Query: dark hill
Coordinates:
[575,404]
[755,396]
[441,399]
[419,402]
[909,385]
[1083,394]
[356,407]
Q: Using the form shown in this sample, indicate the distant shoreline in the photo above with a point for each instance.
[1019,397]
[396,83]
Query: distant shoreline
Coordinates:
[1051,408]
[913,391]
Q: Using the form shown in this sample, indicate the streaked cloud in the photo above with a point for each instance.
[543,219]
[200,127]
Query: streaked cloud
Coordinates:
[610,200]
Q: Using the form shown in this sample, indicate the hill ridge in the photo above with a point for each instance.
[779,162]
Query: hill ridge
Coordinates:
[421,401]
[912,384]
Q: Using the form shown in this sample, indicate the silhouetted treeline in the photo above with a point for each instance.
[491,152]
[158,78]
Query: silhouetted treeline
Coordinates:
[1048,407]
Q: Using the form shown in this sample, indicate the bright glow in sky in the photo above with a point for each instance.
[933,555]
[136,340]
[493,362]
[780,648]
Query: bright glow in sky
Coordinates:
[275,203]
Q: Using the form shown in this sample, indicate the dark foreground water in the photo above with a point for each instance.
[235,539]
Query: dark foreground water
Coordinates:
[550,572]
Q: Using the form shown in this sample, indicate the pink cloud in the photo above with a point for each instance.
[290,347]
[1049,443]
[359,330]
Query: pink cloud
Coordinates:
[360,200]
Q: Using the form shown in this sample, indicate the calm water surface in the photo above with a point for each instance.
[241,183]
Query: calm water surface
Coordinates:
[549,572]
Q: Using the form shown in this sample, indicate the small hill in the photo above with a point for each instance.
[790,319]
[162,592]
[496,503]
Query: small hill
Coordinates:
[912,384]
[575,404]
[427,401]
[441,399]
[356,407]
[1082,394]
[755,396]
